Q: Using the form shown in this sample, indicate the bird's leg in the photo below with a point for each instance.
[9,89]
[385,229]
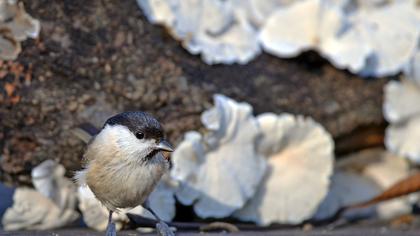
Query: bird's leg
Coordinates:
[110,229]
[161,227]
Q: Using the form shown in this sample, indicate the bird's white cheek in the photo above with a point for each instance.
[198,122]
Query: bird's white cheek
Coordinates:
[132,148]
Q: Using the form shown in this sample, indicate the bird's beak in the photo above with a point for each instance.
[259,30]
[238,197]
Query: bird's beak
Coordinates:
[165,146]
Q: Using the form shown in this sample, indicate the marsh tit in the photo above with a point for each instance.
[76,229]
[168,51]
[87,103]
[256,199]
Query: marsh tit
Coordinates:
[124,162]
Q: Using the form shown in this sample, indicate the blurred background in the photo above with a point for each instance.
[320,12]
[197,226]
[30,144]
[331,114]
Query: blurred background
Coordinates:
[301,110]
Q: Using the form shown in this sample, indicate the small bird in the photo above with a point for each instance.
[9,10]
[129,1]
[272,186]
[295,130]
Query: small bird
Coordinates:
[124,162]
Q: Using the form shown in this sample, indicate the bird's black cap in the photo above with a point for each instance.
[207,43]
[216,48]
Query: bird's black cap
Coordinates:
[138,122]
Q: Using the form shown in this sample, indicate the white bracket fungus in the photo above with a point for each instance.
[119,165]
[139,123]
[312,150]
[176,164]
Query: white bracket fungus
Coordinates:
[361,177]
[257,11]
[403,138]
[314,25]
[357,40]
[219,172]
[353,35]
[401,109]
[300,159]
[397,22]
[48,179]
[206,26]
[401,101]
[16,26]
[32,210]
[158,11]
[386,172]
[51,206]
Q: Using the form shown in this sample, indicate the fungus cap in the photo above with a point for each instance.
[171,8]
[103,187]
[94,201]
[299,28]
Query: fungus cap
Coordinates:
[219,172]
[299,152]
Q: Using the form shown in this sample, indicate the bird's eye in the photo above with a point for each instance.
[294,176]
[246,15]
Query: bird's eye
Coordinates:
[139,135]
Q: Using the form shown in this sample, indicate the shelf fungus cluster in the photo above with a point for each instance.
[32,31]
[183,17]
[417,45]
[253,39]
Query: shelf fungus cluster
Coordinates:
[300,160]
[220,171]
[16,26]
[207,27]
[351,34]
[52,204]
[266,169]
[362,176]
[401,110]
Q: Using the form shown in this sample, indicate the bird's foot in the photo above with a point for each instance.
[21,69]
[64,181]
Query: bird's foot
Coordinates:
[163,229]
[111,230]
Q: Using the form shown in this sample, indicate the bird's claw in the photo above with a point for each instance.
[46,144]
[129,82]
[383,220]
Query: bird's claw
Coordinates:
[163,229]
[111,230]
